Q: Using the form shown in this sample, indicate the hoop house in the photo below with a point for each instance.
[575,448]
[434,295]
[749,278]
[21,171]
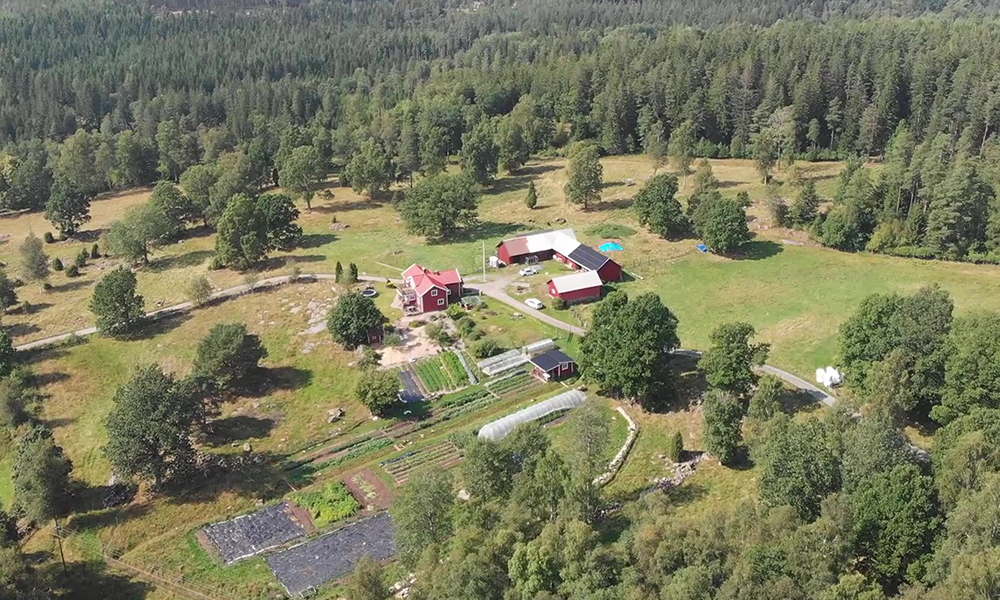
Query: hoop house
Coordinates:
[499,429]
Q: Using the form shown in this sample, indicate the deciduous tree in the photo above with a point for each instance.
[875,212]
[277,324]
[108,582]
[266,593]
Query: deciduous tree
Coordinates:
[228,354]
[440,206]
[422,513]
[586,176]
[40,476]
[68,207]
[352,318]
[723,425]
[657,207]
[729,363]
[34,261]
[303,172]
[370,169]
[377,390]
[116,304]
[149,427]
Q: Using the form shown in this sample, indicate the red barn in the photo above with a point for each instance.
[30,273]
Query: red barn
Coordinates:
[561,245]
[578,287]
[424,290]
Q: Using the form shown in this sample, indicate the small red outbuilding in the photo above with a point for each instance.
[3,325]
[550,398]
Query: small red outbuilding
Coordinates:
[578,287]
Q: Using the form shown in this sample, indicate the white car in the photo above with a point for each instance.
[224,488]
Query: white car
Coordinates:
[530,271]
[534,303]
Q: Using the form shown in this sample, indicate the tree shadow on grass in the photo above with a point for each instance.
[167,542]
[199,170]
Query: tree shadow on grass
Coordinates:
[93,579]
[484,230]
[254,476]
[689,382]
[237,428]
[160,325]
[615,204]
[72,285]
[339,206]
[317,240]
[100,518]
[758,250]
[22,329]
[277,262]
[267,381]
[795,401]
[180,261]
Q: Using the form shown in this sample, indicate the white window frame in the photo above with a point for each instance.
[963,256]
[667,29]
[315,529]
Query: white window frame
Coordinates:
[434,292]
[440,301]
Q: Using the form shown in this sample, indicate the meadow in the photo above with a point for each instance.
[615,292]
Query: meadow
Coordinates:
[795,293]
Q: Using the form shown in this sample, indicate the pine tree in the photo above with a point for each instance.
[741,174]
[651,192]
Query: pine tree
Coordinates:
[531,200]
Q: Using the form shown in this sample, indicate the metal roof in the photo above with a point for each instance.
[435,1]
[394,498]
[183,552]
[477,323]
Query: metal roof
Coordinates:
[551,360]
[588,258]
[499,429]
[577,281]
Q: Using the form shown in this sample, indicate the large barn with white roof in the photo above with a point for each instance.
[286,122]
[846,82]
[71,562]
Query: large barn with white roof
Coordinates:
[561,245]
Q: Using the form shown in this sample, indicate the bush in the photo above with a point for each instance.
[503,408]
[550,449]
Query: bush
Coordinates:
[486,348]
[47,286]
[559,304]
[95,252]
[675,447]
[455,311]
[465,325]
[475,334]
[331,503]
[49,238]
[57,264]
[72,271]
[393,339]
[81,258]
[437,332]
[199,290]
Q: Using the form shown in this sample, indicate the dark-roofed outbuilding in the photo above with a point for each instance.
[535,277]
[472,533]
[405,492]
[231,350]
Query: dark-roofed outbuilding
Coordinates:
[553,365]
[592,260]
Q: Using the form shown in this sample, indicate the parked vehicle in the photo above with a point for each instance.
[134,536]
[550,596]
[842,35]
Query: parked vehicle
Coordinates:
[530,271]
[534,303]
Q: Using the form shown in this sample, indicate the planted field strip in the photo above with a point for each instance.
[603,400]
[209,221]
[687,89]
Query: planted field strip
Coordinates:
[473,366]
[433,375]
[514,384]
[455,369]
[443,455]
[411,381]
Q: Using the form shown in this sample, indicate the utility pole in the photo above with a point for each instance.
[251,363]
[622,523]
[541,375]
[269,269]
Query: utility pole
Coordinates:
[62,557]
[484,261]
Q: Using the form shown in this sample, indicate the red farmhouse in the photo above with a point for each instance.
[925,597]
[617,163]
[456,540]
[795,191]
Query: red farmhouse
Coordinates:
[562,246]
[578,287]
[424,290]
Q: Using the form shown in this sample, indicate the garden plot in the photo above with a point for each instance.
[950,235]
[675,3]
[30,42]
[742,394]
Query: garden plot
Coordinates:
[516,383]
[333,556]
[411,391]
[442,455]
[252,534]
[433,375]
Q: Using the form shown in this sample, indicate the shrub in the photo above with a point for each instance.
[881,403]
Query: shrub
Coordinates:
[81,258]
[95,252]
[199,290]
[49,238]
[465,325]
[47,286]
[57,264]
[437,332]
[393,339]
[329,504]
[455,311]
[675,447]
[559,304]
[486,348]
[475,334]
[72,271]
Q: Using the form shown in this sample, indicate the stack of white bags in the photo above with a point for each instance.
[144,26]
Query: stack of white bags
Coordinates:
[829,377]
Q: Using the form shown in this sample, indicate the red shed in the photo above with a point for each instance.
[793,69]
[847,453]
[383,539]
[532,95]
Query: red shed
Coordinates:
[578,287]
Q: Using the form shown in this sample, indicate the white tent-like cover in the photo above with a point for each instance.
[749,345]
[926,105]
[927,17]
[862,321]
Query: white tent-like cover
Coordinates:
[501,428]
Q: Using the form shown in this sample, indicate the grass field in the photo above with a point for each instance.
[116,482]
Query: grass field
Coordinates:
[560,433]
[796,296]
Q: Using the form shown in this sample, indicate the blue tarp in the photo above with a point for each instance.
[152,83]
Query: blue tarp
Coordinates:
[610,246]
[702,247]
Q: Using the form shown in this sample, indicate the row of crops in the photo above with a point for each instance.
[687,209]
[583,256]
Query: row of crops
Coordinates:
[443,455]
[433,375]
[514,384]
[455,369]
